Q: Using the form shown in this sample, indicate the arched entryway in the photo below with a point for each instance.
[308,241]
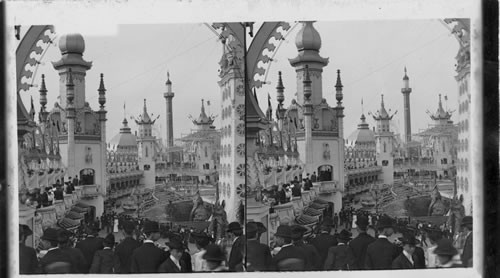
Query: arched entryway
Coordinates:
[87,176]
[325,173]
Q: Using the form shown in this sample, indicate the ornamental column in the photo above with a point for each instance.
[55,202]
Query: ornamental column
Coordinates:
[340,119]
[308,112]
[102,121]
[70,115]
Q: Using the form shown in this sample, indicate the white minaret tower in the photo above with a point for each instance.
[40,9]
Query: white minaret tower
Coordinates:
[147,147]
[384,141]
[169,95]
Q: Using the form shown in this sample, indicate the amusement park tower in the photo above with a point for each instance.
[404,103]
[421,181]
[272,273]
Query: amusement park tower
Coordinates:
[406,90]
[147,147]
[83,130]
[384,143]
[169,95]
[320,134]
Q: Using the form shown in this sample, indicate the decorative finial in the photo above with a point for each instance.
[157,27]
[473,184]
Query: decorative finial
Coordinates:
[101,84]
[43,93]
[168,79]
[102,92]
[406,76]
[362,108]
[338,87]
[280,89]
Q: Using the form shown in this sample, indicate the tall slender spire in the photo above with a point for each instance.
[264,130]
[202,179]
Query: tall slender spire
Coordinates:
[338,87]
[280,96]
[102,92]
[43,93]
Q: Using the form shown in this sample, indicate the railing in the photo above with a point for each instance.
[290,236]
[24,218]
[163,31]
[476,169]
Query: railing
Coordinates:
[364,170]
[326,187]
[90,191]
[125,174]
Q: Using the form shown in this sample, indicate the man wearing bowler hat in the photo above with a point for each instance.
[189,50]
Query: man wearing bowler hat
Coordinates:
[237,249]
[360,243]
[174,264]
[258,256]
[289,257]
[28,262]
[90,245]
[125,248]
[406,259]
[340,257]
[55,261]
[467,252]
[312,255]
[324,240]
[147,258]
[381,252]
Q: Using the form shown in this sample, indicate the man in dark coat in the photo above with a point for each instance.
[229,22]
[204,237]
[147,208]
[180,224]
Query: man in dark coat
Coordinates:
[258,256]
[360,243]
[381,252]
[147,258]
[28,262]
[235,261]
[173,263]
[105,261]
[405,260]
[289,257]
[79,262]
[90,245]
[57,260]
[467,252]
[125,248]
[312,255]
[324,240]
[340,257]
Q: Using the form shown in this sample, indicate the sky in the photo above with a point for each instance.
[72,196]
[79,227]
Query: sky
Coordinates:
[135,62]
[371,56]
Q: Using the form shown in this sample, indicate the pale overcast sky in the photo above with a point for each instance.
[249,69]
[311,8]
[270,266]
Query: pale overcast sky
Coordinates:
[135,63]
[370,54]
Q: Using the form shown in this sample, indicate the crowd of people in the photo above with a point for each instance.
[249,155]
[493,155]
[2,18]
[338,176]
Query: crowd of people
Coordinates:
[157,249]
[339,251]
[38,199]
[150,247]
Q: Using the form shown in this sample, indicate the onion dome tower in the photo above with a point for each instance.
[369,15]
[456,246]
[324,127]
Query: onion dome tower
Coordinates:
[308,43]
